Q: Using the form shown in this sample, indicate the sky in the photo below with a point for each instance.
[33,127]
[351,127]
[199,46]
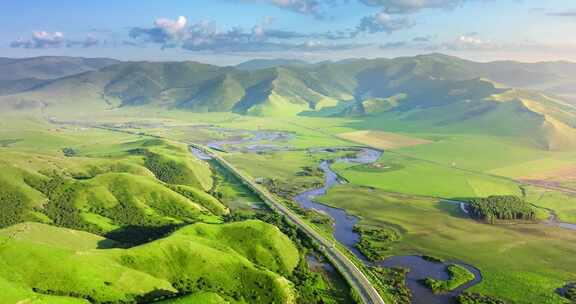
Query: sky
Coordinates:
[231,31]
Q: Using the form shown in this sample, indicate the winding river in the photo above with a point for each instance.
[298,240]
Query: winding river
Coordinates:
[419,268]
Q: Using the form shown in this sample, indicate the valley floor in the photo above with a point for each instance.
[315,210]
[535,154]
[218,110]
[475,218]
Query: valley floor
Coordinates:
[404,191]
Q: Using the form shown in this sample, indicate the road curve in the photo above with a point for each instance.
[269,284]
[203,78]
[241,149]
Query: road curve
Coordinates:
[354,276]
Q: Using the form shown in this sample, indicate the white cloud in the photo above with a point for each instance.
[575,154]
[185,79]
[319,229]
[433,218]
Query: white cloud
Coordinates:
[383,22]
[413,6]
[206,36]
[172,28]
[471,42]
[41,40]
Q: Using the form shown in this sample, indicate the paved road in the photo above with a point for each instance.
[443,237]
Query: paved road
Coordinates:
[351,273]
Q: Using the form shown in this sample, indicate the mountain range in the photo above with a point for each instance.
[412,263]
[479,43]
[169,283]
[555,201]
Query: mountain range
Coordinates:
[431,92]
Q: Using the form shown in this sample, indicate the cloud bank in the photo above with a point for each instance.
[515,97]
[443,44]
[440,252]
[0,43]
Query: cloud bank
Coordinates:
[46,40]
[208,36]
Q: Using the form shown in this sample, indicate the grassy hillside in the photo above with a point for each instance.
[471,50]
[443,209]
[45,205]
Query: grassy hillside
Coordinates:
[260,64]
[183,263]
[515,260]
[133,191]
[430,92]
[128,188]
[49,67]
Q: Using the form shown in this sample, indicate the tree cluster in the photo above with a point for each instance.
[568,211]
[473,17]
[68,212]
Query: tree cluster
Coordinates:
[167,170]
[375,242]
[12,205]
[503,207]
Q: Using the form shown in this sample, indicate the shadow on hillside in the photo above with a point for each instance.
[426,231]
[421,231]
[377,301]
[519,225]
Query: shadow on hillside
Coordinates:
[109,244]
[452,208]
[130,236]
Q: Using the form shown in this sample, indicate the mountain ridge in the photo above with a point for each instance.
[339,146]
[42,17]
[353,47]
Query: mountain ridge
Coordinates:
[435,91]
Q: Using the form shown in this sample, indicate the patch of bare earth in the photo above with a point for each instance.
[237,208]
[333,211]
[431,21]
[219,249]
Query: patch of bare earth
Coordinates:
[383,140]
[562,179]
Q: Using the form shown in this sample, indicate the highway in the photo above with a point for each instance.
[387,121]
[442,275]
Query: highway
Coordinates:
[354,276]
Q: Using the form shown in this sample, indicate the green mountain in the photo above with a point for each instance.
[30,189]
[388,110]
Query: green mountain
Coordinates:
[25,74]
[260,64]
[49,67]
[428,91]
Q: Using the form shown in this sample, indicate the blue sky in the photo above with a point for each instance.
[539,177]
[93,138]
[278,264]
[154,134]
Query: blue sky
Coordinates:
[230,31]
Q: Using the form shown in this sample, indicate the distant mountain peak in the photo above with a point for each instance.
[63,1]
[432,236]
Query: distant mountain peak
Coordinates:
[260,64]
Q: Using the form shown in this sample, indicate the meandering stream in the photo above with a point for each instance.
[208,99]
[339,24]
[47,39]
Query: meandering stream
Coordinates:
[344,232]
[344,223]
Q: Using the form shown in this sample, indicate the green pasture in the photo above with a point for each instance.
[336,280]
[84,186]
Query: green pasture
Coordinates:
[564,205]
[178,263]
[524,263]
[413,176]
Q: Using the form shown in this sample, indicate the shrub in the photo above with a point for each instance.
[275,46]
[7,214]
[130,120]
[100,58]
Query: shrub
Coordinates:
[458,277]
[477,298]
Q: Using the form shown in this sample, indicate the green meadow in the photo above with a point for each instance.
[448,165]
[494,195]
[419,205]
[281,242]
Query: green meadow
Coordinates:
[101,200]
[519,263]
[414,176]
[397,193]
[98,206]
[181,263]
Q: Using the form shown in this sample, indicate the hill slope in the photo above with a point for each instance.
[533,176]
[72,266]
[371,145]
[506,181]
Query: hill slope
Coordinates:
[137,191]
[433,91]
[44,68]
[260,64]
[183,264]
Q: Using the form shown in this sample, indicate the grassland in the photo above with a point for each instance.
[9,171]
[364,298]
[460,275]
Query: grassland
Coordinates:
[286,170]
[534,258]
[183,263]
[458,277]
[108,174]
[508,157]
[563,205]
[383,140]
[443,145]
[134,189]
[520,263]
[200,297]
[396,173]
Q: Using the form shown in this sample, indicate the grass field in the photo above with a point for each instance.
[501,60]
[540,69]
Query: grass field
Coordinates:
[413,176]
[458,277]
[521,263]
[104,171]
[564,205]
[383,140]
[182,262]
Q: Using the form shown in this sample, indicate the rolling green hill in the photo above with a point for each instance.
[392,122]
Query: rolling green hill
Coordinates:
[131,190]
[260,64]
[49,268]
[427,92]
[49,67]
